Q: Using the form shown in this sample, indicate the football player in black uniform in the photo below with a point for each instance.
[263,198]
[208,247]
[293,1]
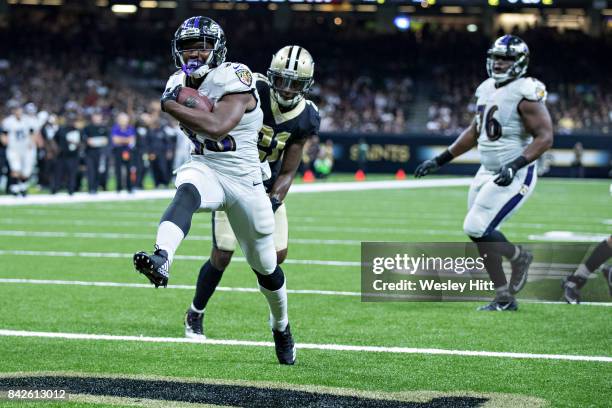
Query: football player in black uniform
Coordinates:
[572,284]
[289,119]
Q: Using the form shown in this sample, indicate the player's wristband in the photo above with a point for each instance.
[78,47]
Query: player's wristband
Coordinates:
[444,158]
[518,163]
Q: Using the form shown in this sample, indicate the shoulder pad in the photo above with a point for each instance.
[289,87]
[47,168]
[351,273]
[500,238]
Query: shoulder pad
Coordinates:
[178,78]
[234,78]
[260,77]
[532,89]
[484,86]
[314,119]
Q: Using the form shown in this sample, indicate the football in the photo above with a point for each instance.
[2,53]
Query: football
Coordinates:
[191,98]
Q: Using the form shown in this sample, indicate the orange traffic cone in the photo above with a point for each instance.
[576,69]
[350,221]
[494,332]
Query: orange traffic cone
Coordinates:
[308,177]
[360,175]
[400,175]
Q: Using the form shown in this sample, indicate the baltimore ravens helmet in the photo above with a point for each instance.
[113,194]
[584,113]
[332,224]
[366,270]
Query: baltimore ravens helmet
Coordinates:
[199,29]
[509,46]
[291,75]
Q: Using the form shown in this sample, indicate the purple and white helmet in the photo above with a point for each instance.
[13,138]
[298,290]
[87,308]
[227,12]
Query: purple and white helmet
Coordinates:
[508,46]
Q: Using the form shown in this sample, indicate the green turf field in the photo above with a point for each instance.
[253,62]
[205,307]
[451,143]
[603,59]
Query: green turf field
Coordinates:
[94,242]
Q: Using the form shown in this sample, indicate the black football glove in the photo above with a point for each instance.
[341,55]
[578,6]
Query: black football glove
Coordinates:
[428,166]
[170,95]
[505,176]
[275,203]
[508,171]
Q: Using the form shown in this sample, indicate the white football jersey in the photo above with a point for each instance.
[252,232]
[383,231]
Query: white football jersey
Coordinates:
[501,134]
[236,153]
[19,131]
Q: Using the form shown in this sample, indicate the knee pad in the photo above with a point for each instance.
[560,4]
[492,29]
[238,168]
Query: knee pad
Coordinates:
[273,281]
[474,226]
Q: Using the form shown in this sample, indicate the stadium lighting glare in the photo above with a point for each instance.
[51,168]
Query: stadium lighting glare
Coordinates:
[338,21]
[402,23]
[472,28]
[52,2]
[102,3]
[167,4]
[452,9]
[29,2]
[493,2]
[124,8]
[148,4]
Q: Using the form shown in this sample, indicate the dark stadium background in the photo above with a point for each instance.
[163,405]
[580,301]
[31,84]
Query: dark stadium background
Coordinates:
[402,84]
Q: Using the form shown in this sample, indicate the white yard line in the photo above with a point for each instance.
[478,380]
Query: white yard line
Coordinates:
[70,254]
[310,346]
[108,196]
[115,236]
[229,289]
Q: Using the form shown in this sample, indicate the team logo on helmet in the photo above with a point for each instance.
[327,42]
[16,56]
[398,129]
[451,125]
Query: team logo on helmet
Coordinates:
[512,47]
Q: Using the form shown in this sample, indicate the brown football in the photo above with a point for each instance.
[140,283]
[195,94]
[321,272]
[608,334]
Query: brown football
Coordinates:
[191,98]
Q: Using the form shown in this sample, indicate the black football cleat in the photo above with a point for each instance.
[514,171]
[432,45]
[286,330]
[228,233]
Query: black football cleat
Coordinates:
[194,325]
[498,306]
[607,273]
[520,268]
[155,267]
[571,288]
[284,345]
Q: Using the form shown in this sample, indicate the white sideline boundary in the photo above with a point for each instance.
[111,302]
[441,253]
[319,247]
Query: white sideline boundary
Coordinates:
[108,196]
[306,346]
[234,289]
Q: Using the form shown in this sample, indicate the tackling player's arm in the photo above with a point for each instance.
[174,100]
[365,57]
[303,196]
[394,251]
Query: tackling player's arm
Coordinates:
[215,125]
[291,161]
[537,122]
[466,141]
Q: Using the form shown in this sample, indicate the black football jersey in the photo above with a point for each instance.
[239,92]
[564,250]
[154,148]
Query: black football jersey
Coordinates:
[282,128]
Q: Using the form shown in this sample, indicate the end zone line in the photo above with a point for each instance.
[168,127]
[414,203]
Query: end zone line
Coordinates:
[239,289]
[309,346]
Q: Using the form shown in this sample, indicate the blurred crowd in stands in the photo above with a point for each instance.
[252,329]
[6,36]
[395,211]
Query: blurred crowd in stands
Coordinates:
[80,71]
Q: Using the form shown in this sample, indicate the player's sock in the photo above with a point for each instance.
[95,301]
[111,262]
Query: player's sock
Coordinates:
[492,261]
[273,287]
[169,237]
[176,221]
[195,309]
[507,249]
[600,255]
[582,271]
[208,279]
[502,294]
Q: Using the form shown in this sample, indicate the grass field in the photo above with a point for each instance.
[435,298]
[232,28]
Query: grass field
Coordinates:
[94,242]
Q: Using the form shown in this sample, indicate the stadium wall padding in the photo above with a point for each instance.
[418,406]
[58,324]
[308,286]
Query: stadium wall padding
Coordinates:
[388,153]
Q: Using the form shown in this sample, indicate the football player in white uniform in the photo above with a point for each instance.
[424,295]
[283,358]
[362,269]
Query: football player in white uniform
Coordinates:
[224,171]
[20,150]
[289,119]
[512,129]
